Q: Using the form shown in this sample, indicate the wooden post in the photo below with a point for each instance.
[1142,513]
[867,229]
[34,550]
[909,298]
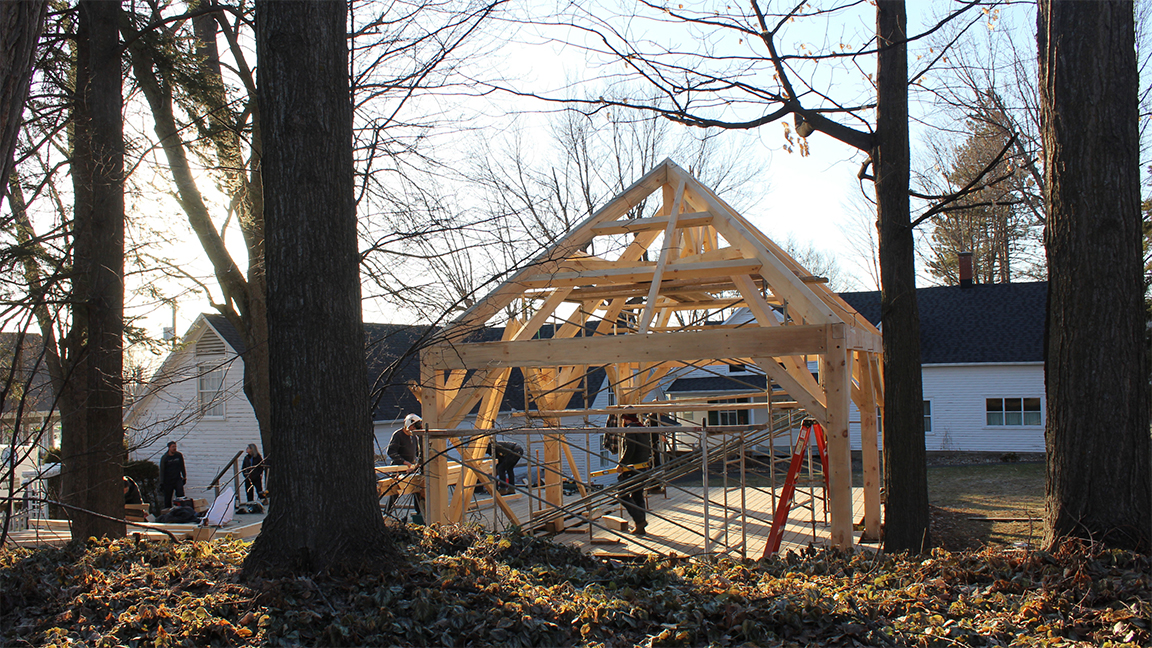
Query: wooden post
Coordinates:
[435,457]
[836,373]
[869,449]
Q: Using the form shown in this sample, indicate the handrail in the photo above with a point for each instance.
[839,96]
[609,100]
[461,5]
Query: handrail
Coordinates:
[216,482]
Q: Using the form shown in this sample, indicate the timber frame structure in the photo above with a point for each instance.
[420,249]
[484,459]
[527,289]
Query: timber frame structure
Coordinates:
[632,295]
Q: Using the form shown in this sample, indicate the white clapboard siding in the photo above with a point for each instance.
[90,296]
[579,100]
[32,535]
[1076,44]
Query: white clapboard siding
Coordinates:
[958,394]
[171,411]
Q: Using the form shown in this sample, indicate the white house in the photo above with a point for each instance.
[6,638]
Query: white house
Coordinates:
[982,355]
[197,399]
[982,365]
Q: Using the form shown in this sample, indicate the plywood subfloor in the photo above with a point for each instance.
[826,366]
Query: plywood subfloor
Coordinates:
[738,523]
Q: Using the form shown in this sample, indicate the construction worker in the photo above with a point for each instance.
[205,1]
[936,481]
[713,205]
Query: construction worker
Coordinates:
[404,450]
[507,456]
[635,448]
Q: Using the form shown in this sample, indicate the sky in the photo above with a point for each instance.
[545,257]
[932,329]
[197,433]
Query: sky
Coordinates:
[812,200]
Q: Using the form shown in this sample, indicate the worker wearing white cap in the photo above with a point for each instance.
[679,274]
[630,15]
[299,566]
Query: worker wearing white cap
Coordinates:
[404,449]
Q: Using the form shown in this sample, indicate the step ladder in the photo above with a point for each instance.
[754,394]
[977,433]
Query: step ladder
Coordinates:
[808,429]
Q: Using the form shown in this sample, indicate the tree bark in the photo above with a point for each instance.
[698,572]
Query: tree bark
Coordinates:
[93,445]
[905,475]
[244,297]
[1097,434]
[20,24]
[325,511]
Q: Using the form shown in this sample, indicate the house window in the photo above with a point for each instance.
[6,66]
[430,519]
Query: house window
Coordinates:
[210,386]
[728,417]
[603,452]
[927,417]
[736,368]
[1013,411]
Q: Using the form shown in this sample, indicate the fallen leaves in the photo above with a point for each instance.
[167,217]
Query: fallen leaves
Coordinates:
[461,586]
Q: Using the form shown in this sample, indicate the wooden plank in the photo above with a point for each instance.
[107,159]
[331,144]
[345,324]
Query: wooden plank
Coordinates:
[643,273]
[670,244]
[692,219]
[812,402]
[793,376]
[735,230]
[245,531]
[547,261]
[614,522]
[870,453]
[668,288]
[723,254]
[603,350]
[837,372]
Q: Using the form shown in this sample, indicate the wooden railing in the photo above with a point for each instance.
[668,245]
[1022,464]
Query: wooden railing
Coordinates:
[234,464]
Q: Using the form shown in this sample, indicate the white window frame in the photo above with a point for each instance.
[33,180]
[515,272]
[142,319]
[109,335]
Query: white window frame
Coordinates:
[729,417]
[212,401]
[1008,416]
[928,416]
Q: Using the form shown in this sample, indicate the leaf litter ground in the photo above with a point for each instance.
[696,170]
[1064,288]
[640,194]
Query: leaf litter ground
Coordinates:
[464,587]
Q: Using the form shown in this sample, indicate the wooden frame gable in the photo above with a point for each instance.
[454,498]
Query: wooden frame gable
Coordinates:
[634,295]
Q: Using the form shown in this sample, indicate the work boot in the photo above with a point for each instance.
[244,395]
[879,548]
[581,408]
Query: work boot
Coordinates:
[639,530]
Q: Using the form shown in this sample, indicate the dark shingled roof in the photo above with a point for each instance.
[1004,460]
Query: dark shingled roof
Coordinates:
[227,331]
[986,323]
[31,374]
[753,382]
[393,358]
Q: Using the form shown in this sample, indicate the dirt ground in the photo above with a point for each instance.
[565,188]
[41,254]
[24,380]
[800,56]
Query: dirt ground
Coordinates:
[1010,493]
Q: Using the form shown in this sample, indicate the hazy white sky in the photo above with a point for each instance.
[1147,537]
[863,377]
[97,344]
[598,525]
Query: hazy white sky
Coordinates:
[811,200]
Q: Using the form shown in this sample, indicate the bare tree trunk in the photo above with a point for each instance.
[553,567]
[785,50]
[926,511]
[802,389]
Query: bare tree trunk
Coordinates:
[905,476]
[324,510]
[1096,378]
[93,456]
[20,24]
[243,302]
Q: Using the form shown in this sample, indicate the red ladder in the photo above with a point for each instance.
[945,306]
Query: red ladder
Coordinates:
[784,505]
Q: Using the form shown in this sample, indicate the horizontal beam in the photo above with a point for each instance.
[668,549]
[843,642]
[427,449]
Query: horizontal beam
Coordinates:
[642,273]
[611,349]
[454,433]
[667,288]
[695,219]
[653,409]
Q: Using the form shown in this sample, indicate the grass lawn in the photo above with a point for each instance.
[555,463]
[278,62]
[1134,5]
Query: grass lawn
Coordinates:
[1001,490]
[956,494]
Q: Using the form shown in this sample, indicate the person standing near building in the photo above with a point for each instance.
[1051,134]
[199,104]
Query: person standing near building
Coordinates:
[253,469]
[635,449]
[508,454]
[404,450]
[173,474]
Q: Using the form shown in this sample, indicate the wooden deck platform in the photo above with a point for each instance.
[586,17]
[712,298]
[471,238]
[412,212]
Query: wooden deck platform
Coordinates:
[737,523]
[56,533]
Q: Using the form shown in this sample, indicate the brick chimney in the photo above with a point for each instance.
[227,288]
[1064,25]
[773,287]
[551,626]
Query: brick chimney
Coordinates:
[965,260]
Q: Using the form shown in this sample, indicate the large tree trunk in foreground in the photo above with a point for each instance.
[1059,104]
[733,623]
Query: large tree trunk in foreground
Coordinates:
[324,509]
[905,477]
[93,432]
[1097,437]
[20,24]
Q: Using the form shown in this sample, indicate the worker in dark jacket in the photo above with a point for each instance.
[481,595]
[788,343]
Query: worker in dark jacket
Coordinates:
[173,475]
[404,450]
[404,447]
[253,470]
[635,448]
[131,492]
[507,456]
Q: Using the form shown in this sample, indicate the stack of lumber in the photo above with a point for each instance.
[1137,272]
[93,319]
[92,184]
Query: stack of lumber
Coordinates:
[398,480]
[55,533]
[136,512]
